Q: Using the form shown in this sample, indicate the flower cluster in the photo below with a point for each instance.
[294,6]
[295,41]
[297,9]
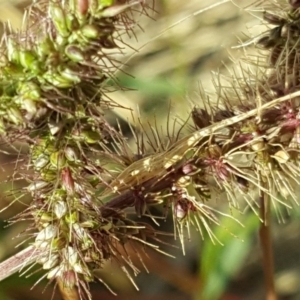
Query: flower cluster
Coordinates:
[52,96]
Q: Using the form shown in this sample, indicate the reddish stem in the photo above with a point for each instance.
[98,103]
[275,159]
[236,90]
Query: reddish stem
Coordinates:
[266,246]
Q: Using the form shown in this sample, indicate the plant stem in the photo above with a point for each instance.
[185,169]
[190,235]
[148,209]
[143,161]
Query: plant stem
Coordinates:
[266,246]
[19,261]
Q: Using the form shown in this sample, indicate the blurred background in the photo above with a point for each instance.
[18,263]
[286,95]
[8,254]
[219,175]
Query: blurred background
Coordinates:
[177,50]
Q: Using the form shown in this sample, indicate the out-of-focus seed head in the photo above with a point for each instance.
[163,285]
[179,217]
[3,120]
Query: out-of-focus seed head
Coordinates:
[294,3]
[201,117]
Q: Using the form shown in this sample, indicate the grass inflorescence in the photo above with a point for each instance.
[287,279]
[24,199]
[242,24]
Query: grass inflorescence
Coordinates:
[83,175]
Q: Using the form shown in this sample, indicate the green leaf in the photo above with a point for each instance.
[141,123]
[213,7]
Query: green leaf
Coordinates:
[158,86]
[219,263]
